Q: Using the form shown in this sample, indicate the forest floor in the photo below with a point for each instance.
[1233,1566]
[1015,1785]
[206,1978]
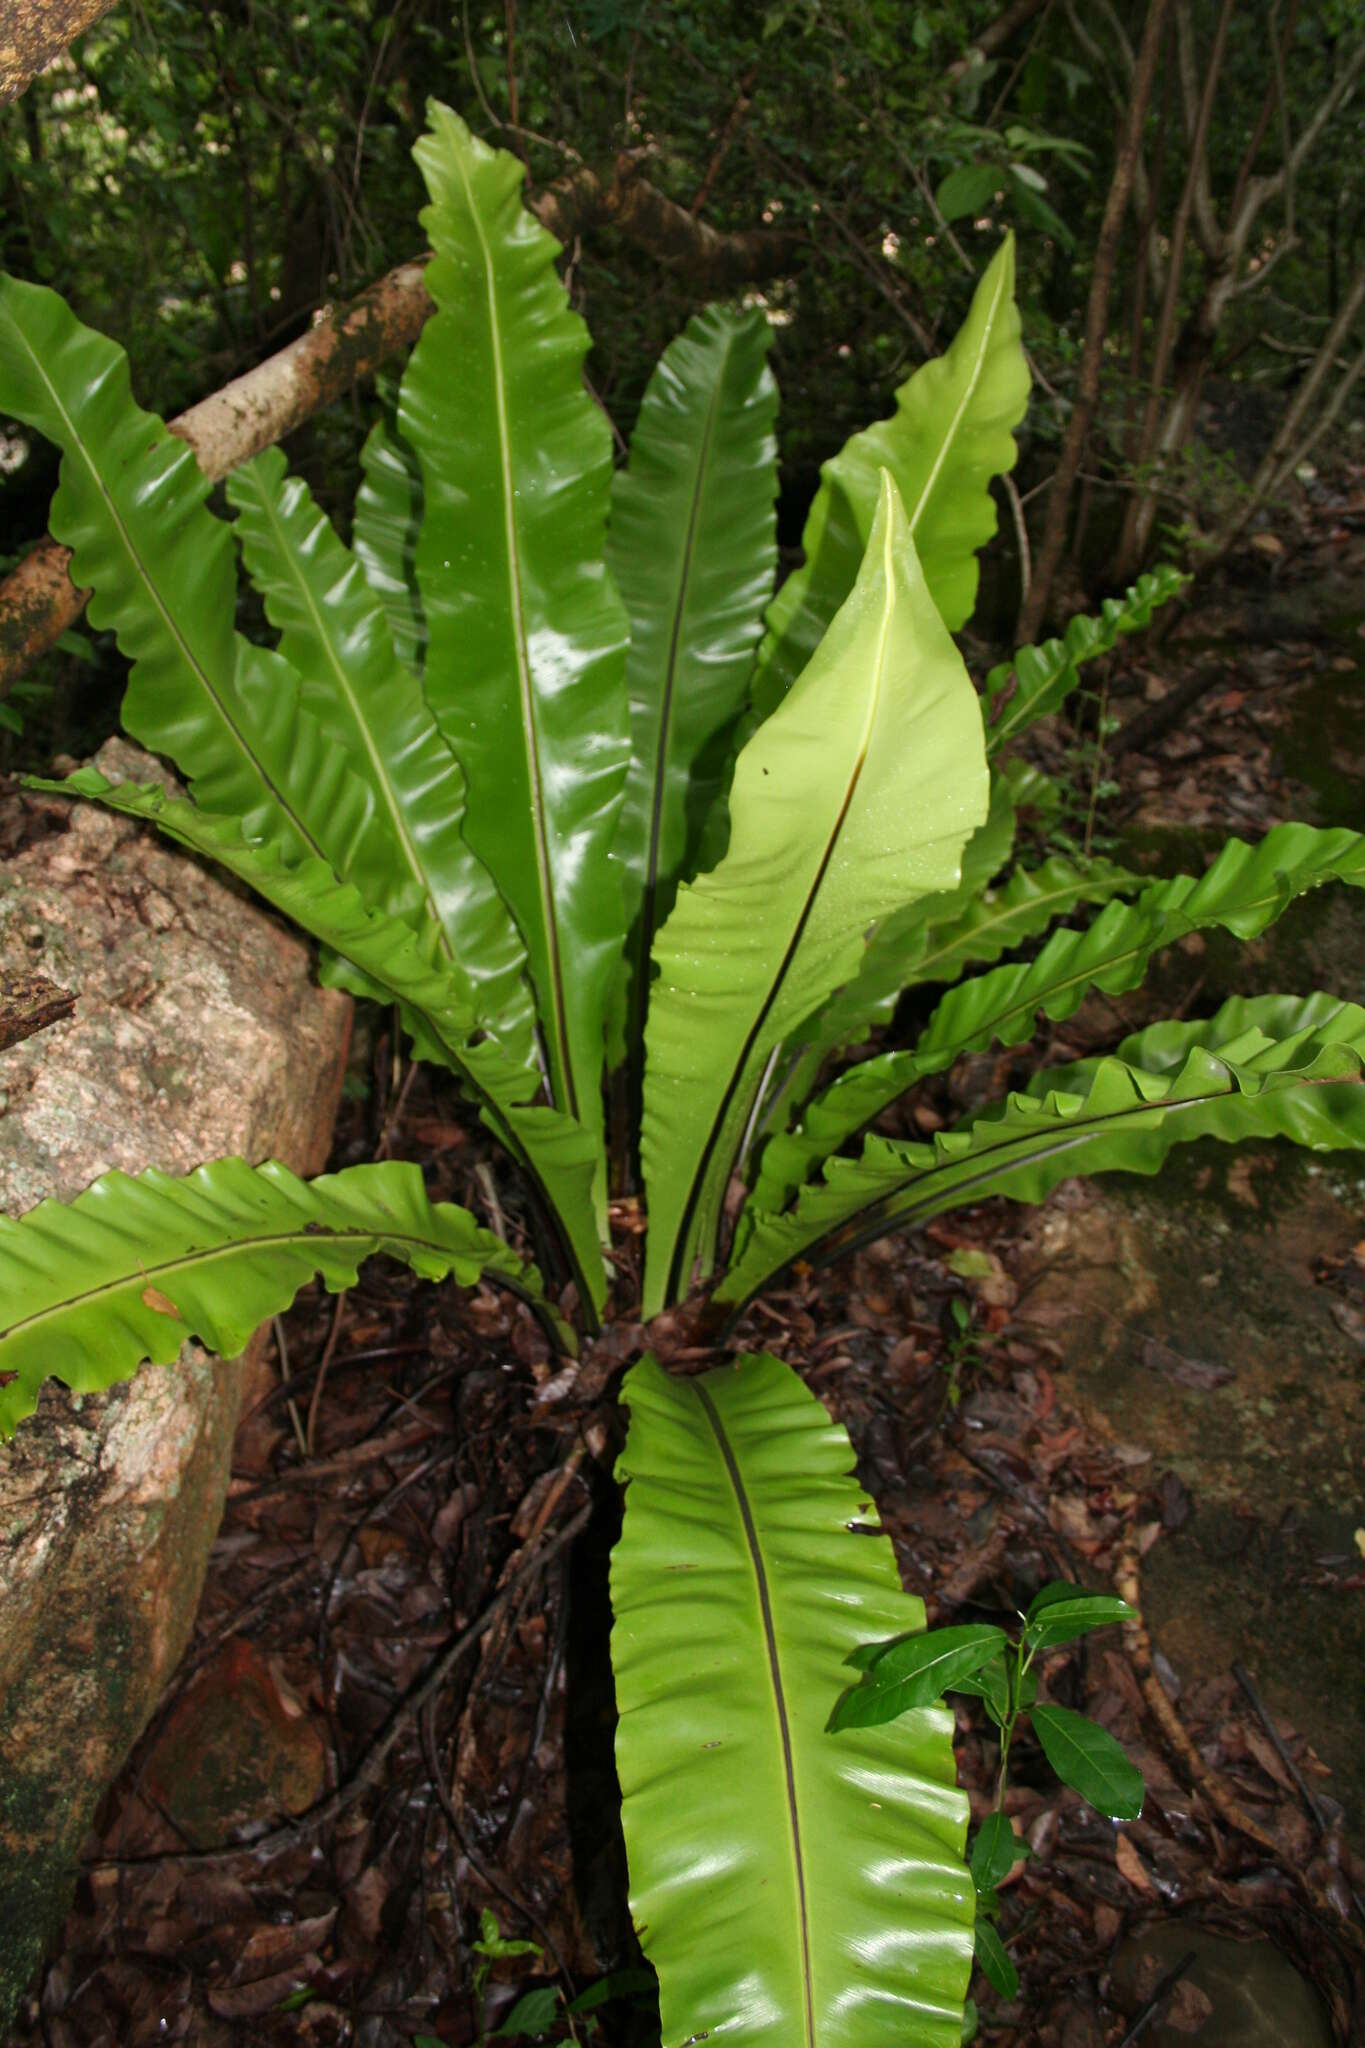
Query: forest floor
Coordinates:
[396,1713]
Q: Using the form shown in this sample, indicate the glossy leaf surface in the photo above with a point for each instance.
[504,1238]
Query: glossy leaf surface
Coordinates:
[853,799]
[367,703]
[995,1852]
[525,633]
[1088,1759]
[437,1008]
[162,571]
[1061,1613]
[384,528]
[915,1673]
[991,1685]
[990,922]
[693,548]
[134,1266]
[1285,1067]
[994,1959]
[849,1015]
[1244,891]
[951,433]
[790,1886]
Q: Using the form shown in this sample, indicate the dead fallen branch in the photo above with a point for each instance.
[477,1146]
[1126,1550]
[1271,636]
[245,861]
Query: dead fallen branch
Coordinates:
[33,32]
[38,601]
[29,1003]
[580,201]
[1201,1776]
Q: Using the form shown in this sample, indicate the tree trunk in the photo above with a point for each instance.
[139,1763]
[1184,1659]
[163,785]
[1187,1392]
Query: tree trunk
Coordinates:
[1096,322]
[1294,438]
[1155,444]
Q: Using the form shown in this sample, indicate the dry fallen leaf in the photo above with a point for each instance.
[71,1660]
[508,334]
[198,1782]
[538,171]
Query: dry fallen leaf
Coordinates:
[1131,1865]
[1108,1921]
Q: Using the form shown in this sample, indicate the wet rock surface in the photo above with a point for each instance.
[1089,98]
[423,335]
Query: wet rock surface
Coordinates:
[1232,1994]
[198,1030]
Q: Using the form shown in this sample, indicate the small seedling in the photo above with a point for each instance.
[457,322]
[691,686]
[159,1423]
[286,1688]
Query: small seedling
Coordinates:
[962,1350]
[543,2008]
[987,1664]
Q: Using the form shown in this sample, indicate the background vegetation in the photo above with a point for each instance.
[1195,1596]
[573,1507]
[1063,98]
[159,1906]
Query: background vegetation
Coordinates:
[198,180]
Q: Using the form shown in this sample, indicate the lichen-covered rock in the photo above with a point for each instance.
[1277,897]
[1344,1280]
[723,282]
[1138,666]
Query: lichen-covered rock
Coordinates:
[198,1030]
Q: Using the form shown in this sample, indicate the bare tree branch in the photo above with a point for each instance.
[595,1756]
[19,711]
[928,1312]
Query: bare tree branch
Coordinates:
[1280,41]
[1145,183]
[1198,108]
[993,37]
[1260,190]
[1141,508]
[638,210]
[1254,279]
[30,1003]
[724,139]
[1096,322]
[1293,438]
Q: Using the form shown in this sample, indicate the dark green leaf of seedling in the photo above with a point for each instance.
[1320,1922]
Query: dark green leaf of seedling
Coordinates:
[866,1654]
[1087,1758]
[1049,1595]
[617,1984]
[995,1852]
[533,2013]
[915,1673]
[993,1957]
[427,2041]
[1060,1613]
[991,1684]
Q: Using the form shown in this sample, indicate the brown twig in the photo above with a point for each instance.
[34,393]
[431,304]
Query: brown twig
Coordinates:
[725,138]
[328,1353]
[1202,1776]
[513,105]
[1153,2008]
[1096,325]
[1306,1793]
[992,38]
[1138,1644]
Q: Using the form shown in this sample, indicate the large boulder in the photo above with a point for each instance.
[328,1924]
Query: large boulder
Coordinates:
[198,1030]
